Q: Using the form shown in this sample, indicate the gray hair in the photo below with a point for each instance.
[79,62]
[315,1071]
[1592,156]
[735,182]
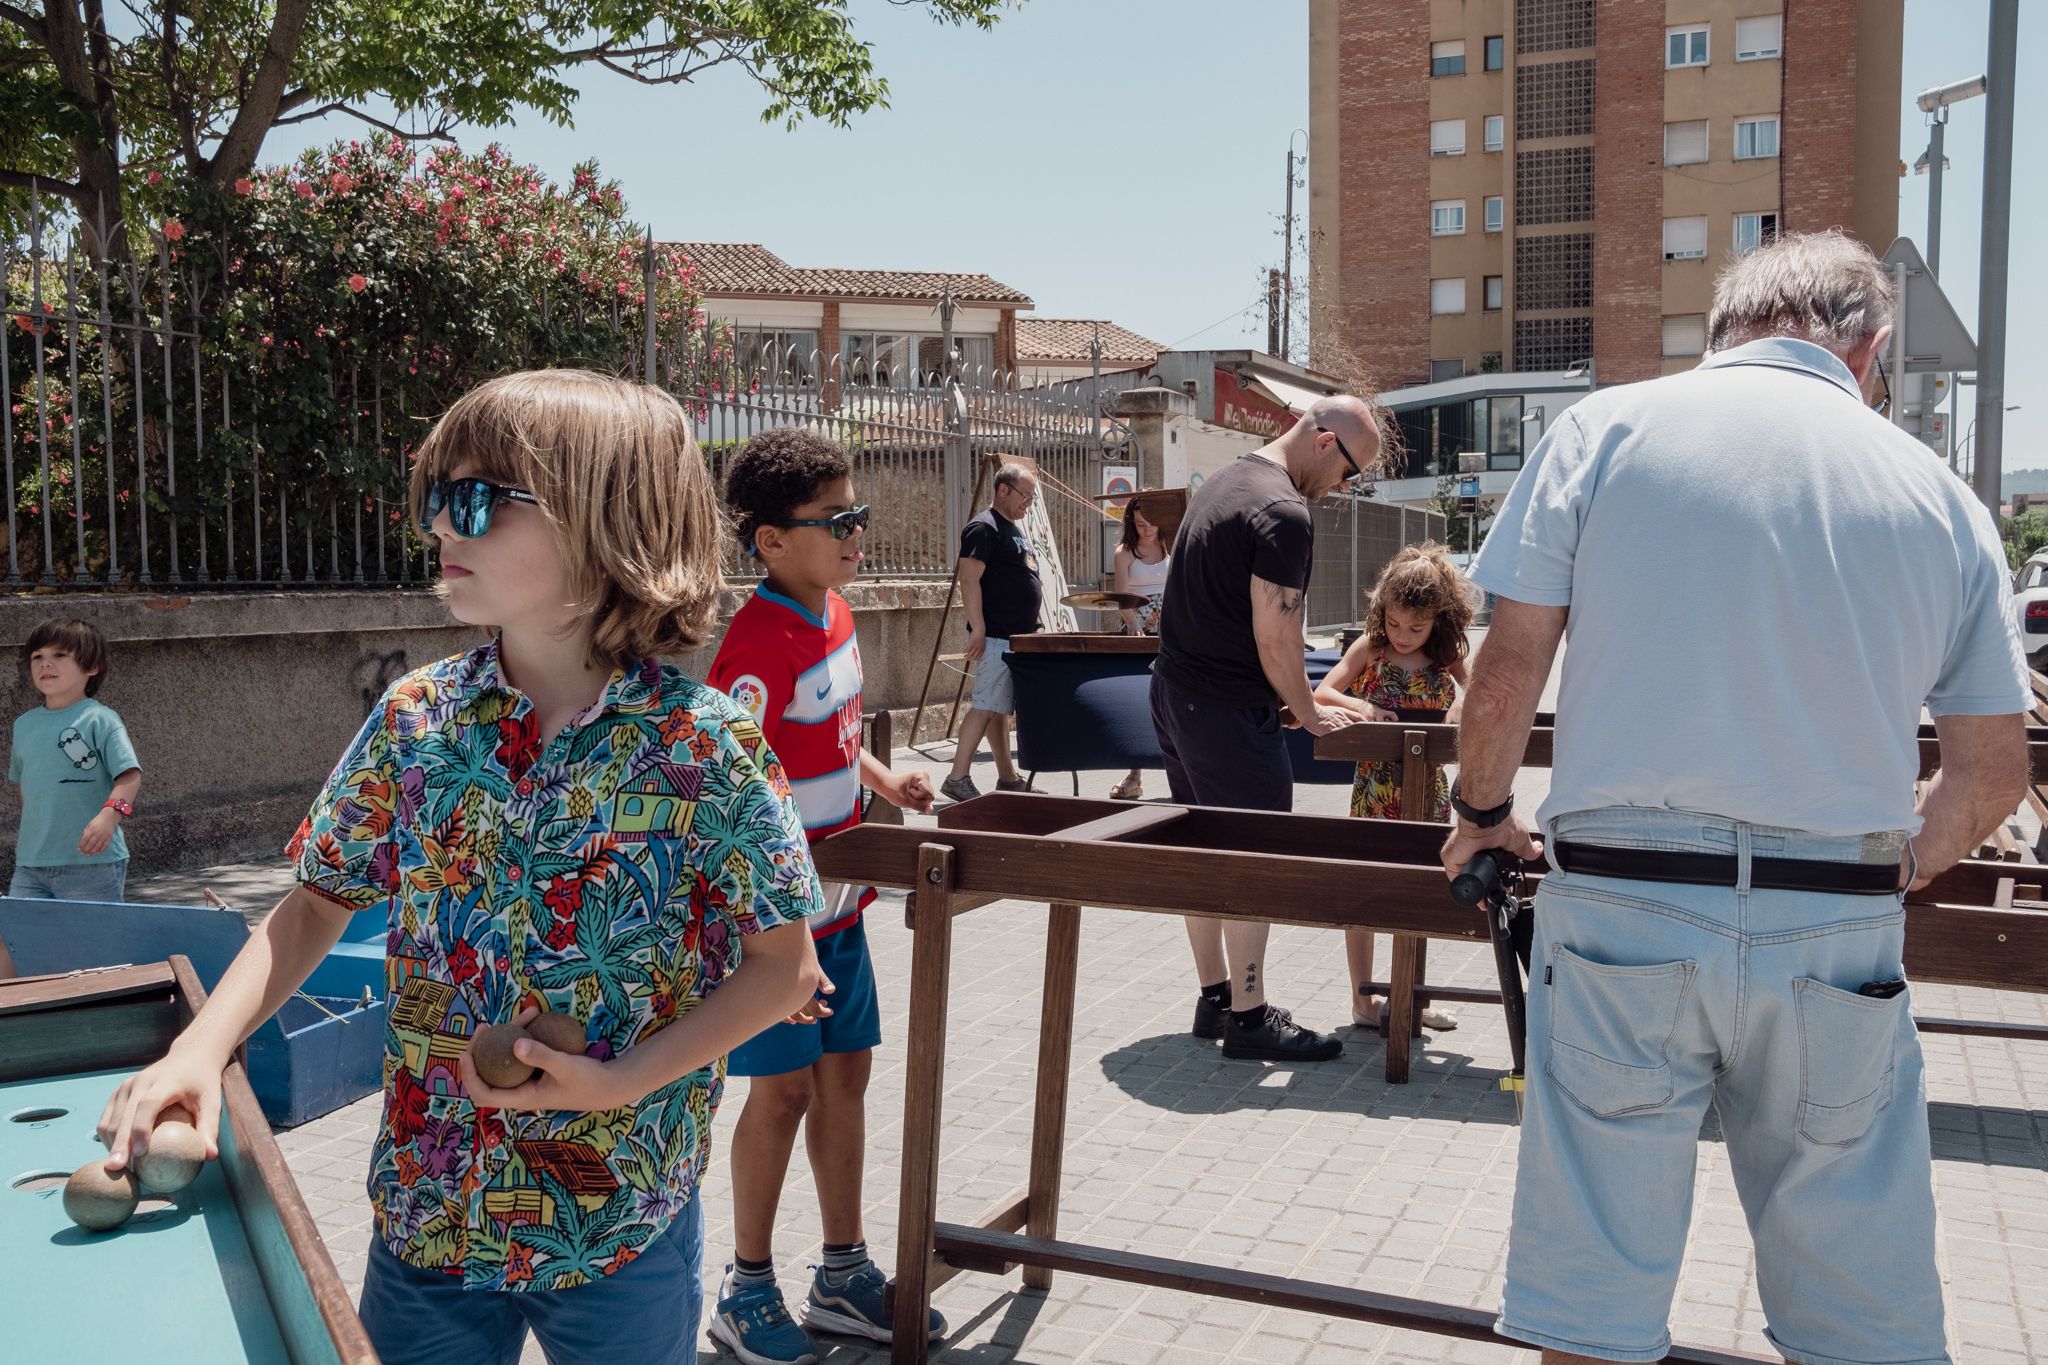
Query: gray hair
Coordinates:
[1823,287]
[1010,475]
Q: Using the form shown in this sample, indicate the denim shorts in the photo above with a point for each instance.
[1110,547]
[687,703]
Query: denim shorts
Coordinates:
[102,883]
[646,1313]
[854,1025]
[1648,1002]
[994,689]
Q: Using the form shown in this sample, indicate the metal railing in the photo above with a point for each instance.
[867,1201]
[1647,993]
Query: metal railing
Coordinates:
[131,458]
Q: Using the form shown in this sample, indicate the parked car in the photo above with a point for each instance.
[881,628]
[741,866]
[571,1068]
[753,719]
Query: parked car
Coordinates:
[2030,608]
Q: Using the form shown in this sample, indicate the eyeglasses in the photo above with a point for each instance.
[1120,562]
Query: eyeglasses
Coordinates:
[1356,472]
[842,525]
[470,503]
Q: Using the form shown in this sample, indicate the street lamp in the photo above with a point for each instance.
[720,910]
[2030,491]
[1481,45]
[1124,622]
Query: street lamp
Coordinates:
[1583,369]
[1935,103]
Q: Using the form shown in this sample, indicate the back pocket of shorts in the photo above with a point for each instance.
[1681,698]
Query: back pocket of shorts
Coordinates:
[1848,1046]
[1609,1027]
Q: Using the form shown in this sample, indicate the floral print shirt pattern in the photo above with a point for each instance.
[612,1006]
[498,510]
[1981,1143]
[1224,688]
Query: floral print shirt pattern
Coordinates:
[612,874]
[1376,787]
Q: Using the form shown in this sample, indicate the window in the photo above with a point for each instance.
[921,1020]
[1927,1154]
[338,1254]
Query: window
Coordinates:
[1503,429]
[1491,298]
[1440,370]
[1753,230]
[1685,239]
[1447,218]
[1489,363]
[1447,137]
[775,357]
[1496,51]
[1758,38]
[975,360]
[1685,144]
[1496,132]
[1685,46]
[1446,296]
[1447,59]
[1496,212]
[1685,335]
[1756,137]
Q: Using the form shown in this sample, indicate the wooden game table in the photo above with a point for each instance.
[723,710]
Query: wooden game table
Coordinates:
[1326,871]
[230,1269]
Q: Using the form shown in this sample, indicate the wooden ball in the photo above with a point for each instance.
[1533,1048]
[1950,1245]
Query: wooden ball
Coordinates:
[562,1032]
[490,1052]
[176,1113]
[172,1160]
[97,1200]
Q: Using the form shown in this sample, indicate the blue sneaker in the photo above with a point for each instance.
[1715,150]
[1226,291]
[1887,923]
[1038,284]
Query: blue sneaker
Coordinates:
[753,1323]
[856,1306]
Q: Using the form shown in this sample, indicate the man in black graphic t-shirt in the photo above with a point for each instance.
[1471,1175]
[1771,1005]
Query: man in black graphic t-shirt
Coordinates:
[999,585]
[1230,654]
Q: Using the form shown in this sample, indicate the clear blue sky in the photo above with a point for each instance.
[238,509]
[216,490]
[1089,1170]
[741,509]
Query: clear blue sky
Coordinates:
[1124,159]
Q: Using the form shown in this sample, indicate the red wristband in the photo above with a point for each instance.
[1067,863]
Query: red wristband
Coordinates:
[126,808]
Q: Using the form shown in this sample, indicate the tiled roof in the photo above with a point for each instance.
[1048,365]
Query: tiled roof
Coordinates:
[727,268]
[1067,339]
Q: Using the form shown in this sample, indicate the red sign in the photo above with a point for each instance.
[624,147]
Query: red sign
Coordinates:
[1243,409]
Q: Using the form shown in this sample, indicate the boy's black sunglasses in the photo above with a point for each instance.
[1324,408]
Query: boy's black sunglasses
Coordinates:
[470,503]
[841,524]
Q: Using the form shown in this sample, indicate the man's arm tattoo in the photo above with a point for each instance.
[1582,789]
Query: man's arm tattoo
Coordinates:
[1287,601]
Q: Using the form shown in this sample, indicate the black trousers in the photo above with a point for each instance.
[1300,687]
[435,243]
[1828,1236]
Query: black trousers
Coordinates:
[1222,755]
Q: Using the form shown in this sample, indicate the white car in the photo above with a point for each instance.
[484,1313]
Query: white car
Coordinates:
[2030,608]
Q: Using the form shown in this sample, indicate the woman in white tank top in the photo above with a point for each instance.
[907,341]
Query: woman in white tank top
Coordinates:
[1142,560]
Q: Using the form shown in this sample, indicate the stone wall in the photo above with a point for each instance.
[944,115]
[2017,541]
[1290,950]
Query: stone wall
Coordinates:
[240,703]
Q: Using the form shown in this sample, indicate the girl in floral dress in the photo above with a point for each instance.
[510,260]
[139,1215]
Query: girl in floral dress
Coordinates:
[1411,657]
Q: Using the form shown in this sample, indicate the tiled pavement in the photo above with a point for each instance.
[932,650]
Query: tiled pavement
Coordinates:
[1324,1172]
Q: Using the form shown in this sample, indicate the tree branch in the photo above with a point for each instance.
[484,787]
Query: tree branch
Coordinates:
[244,139]
[26,22]
[29,180]
[438,133]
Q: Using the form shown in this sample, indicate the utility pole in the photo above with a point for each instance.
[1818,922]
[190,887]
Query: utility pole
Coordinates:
[1287,262]
[1991,277]
[1272,312]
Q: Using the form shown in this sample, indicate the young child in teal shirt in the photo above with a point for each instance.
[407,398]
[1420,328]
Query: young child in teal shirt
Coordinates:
[77,771]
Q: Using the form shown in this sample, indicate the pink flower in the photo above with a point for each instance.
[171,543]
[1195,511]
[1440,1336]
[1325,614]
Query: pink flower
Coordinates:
[340,183]
[155,177]
[357,284]
[242,186]
[174,231]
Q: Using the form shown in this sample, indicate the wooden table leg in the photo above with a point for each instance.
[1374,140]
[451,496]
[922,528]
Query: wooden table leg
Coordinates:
[1055,1056]
[931,969]
[1402,974]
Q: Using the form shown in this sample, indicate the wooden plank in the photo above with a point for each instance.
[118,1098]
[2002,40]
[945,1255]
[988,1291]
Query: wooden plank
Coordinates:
[65,990]
[1322,892]
[1007,1214]
[314,1313]
[1959,945]
[924,1089]
[1403,973]
[1133,819]
[1084,642]
[1055,1059]
[1982,1028]
[1274,1291]
[123,1030]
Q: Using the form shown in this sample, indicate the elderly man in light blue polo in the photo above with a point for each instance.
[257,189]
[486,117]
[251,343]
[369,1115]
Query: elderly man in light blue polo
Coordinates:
[1764,582]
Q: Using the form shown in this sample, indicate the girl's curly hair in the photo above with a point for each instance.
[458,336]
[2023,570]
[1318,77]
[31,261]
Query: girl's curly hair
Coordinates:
[1422,578]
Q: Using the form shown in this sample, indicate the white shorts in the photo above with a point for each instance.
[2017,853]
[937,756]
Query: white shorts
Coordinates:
[993,688]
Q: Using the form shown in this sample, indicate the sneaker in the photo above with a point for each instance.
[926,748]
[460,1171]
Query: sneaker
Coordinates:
[858,1306]
[754,1324]
[1279,1039]
[1210,1020]
[1014,784]
[960,788]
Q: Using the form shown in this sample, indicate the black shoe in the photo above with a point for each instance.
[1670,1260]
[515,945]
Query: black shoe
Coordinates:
[1210,1020]
[1277,1038]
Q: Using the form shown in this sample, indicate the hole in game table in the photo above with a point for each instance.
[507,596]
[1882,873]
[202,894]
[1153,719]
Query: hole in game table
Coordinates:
[36,1181]
[39,1114]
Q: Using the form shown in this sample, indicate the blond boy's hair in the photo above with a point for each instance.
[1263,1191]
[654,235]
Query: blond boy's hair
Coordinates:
[623,485]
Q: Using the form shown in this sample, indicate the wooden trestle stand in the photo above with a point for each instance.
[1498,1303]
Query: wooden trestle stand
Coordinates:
[1329,872]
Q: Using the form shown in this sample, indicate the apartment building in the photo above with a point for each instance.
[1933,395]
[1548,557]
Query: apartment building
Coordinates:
[1532,184]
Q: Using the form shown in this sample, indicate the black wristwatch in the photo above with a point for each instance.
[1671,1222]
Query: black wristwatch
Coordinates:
[1480,819]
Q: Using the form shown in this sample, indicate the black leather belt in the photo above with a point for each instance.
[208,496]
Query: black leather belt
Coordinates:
[1719,869]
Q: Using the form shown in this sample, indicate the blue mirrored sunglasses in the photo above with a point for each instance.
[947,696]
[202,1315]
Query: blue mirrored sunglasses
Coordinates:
[470,503]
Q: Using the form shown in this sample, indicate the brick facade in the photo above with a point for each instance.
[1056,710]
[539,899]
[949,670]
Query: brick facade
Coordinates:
[1378,312]
[1628,191]
[1818,168]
